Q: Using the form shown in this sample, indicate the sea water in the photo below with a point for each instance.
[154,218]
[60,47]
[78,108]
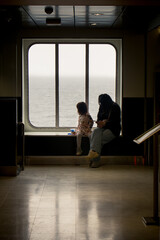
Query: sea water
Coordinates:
[42,100]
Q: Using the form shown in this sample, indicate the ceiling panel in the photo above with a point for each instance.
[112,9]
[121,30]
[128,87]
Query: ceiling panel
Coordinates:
[38,14]
[121,17]
[96,15]
[73,15]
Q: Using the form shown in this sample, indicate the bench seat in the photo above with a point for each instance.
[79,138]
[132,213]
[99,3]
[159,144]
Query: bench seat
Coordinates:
[122,146]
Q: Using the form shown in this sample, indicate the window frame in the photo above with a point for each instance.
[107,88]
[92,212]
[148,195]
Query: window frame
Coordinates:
[27,43]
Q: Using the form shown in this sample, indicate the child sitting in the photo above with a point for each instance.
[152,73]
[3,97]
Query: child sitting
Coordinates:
[85,123]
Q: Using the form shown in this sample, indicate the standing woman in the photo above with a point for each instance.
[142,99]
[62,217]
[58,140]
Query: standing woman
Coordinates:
[108,128]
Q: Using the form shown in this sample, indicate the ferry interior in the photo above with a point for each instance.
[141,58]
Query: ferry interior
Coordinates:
[47,192]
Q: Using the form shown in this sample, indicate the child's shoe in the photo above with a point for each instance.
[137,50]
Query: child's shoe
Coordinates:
[79,153]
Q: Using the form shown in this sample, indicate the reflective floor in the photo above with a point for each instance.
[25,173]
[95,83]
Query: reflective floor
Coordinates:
[77,202]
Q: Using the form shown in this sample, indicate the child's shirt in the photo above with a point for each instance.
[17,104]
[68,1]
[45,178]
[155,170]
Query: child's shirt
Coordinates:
[85,123]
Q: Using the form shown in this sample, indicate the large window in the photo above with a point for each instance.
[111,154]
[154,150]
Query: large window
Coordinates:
[71,82]
[57,75]
[102,73]
[41,80]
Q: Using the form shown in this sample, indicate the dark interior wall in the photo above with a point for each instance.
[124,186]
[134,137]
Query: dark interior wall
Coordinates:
[133,65]
[8,66]
[153,59]
[9,159]
[133,74]
[133,57]
[132,54]
[8,136]
[133,116]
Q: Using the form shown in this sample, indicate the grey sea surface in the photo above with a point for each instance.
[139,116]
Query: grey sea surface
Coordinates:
[42,99]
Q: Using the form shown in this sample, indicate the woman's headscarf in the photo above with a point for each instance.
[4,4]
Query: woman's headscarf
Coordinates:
[105,102]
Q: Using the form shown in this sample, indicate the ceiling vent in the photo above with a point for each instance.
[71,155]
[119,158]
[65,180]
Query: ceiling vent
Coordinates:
[53,21]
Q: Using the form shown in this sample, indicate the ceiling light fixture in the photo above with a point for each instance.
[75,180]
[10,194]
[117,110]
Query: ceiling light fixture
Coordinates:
[93,24]
[98,14]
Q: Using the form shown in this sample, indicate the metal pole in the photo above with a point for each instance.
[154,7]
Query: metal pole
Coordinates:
[155,219]
[155,177]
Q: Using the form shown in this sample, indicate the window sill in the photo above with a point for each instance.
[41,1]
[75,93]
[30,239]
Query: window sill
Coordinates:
[48,134]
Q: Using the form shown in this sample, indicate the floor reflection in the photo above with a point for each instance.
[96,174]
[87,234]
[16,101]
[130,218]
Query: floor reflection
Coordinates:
[70,202]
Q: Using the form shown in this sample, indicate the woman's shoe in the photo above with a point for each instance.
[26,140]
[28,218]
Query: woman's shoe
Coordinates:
[90,163]
[92,154]
[95,164]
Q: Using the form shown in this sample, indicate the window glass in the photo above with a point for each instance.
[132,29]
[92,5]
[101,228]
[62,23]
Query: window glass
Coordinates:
[41,64]
[71,82]
[59,75]
[102,74]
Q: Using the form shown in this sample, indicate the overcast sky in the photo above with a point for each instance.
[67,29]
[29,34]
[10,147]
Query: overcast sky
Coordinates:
[72,60]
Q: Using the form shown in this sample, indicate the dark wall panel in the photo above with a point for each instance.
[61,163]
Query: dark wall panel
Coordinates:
[50,145]
[132,117]
[8,120]
[134,121]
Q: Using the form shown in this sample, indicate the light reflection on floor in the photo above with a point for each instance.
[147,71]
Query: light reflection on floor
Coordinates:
[77,203]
